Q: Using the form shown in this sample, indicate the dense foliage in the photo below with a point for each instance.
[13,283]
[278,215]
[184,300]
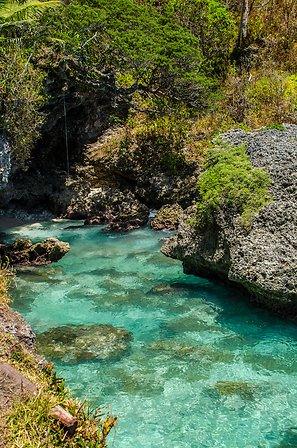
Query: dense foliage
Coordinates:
[210,22]
[174,58]
[158,63]
[231,183]
[20,100]
[170,57]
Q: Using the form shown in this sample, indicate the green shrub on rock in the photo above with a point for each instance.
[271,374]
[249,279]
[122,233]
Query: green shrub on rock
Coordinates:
[231,183]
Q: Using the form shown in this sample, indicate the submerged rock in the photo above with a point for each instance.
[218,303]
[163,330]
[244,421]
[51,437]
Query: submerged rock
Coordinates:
[241,388]
[141,381]
[24,252]
[163,288]
[192,323]
[80,343]
[262,260]
[167,218]
[185,350]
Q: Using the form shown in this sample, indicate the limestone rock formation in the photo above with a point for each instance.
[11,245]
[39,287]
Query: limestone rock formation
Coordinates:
[262,260]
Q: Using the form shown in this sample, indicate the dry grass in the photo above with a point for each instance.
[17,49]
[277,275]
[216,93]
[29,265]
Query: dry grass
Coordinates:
[5,277]
[28,423]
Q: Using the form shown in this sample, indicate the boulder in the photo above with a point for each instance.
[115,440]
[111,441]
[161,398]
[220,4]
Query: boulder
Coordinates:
[24,252]
[263,259]
[109,205]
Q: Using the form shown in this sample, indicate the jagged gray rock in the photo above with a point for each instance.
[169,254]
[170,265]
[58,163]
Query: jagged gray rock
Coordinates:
[264,259]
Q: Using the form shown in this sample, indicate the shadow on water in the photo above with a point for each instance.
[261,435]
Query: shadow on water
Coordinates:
[289,439]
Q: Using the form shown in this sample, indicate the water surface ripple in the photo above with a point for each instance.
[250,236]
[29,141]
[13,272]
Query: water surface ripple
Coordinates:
[205,369]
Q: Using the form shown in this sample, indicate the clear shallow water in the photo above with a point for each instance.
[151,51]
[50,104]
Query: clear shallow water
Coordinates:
[205,368]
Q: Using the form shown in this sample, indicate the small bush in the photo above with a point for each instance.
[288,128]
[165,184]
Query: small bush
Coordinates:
[231,183]
[156,141]
[271,98]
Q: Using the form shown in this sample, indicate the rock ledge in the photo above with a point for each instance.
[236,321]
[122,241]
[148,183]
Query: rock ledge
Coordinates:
[263,260]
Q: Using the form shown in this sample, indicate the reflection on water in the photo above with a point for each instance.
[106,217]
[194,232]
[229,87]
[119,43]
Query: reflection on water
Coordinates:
[204,368]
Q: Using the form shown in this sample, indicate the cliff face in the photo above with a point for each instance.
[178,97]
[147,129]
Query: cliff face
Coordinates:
[74,117]
[70,173]
[263,260]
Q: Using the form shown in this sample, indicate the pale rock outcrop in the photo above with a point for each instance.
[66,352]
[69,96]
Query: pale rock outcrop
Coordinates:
[263,260]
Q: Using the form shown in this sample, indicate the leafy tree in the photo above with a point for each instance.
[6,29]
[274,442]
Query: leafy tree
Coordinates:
[210,22]
[20,100]
[146,52]
[20,82]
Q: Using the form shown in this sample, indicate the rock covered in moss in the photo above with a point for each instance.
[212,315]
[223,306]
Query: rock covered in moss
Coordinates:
[24,252]
[167,218]
[71,344]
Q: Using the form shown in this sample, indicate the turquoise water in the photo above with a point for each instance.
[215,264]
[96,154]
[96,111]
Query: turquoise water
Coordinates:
[205,369]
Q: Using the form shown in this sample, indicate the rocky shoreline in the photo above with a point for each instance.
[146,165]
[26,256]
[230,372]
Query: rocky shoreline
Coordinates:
[24,252]
[262,260]
[30,388]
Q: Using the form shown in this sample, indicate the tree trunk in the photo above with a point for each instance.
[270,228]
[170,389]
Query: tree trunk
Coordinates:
[244,18]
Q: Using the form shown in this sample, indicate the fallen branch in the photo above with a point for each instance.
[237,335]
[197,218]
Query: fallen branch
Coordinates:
[65,418]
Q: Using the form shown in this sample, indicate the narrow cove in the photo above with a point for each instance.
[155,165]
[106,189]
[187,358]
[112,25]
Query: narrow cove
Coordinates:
[204,368]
